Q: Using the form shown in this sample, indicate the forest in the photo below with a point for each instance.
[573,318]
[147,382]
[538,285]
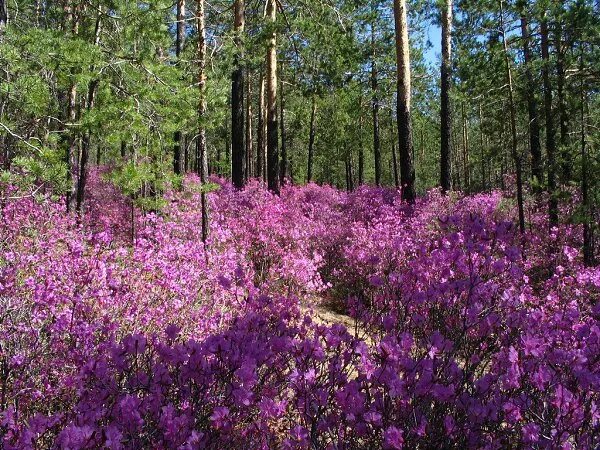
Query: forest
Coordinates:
[300,224]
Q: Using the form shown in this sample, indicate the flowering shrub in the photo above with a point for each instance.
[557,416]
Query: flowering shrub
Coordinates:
[123,330]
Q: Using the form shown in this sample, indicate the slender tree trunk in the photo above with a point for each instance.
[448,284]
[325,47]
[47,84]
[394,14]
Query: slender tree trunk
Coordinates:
[284,155]
[311,138]
[375,110]
[482,147]
[563,119]
[394,156]
[513,123]
[72,157]
[530,88]
[550,131]
[201,141]
[238,157]
[249,138]
[261,132]
[361,150]
[445,111]
[405,144]
[272,127]
[465,149]
[85,147]
[588,231]
[179,41]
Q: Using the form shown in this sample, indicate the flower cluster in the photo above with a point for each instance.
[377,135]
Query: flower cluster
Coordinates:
[123,330]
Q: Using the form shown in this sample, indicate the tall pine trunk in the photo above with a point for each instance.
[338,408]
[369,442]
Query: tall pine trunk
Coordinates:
[375,110]
[261,133]
[445,112]
[201,141]
[311,139]
[85,146]
[550,131]
[563,119]
[530,88]
[179,40]
[249,138]
[284,155]
[238,156]
[403,117]
[272,127]
[513,122]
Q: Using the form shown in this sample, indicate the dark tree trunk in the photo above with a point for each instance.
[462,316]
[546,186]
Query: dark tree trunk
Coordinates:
[272,126]
[249,138]
[563,119]
[530,88]
[588,230]
[445,112]
[311,139]
[513,123]
[261,133]
[465,150]
[238,156]
[375,110]
[201,141]
[284,155]
[550,131]
[394,156]
[403,117]
[179,40]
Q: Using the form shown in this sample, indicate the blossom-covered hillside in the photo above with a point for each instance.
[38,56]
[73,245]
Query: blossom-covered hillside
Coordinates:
[122,330]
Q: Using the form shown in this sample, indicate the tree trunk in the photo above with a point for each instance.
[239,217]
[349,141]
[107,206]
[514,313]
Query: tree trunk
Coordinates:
[201,141]
[272,127]
[445,112]
[261,133]
[238,157]
[375,109]
[284,155]
[405,145]
[530,88]
[513,123]
[179,41]
[563,119]
[361,151]
[311,138]
[85,147]
[394,156]
[482,149]
[465,149]
[588,231]
[249,138]
[550,132]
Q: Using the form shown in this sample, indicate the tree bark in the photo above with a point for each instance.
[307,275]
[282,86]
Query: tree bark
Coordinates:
[272,126]
[72,156]
[261,133]
[201,141]
[238,157]
[588,230]
[563,120]
[179,41]
[85,147]
[403,117]
[375,110]
[550,131]
[445,111]
[513,123]
[530,88]
[284,155]
[249,138]
[465,149]
[311,138]
[394,156]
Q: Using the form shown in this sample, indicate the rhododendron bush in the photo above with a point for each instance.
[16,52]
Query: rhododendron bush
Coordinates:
[122,330]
